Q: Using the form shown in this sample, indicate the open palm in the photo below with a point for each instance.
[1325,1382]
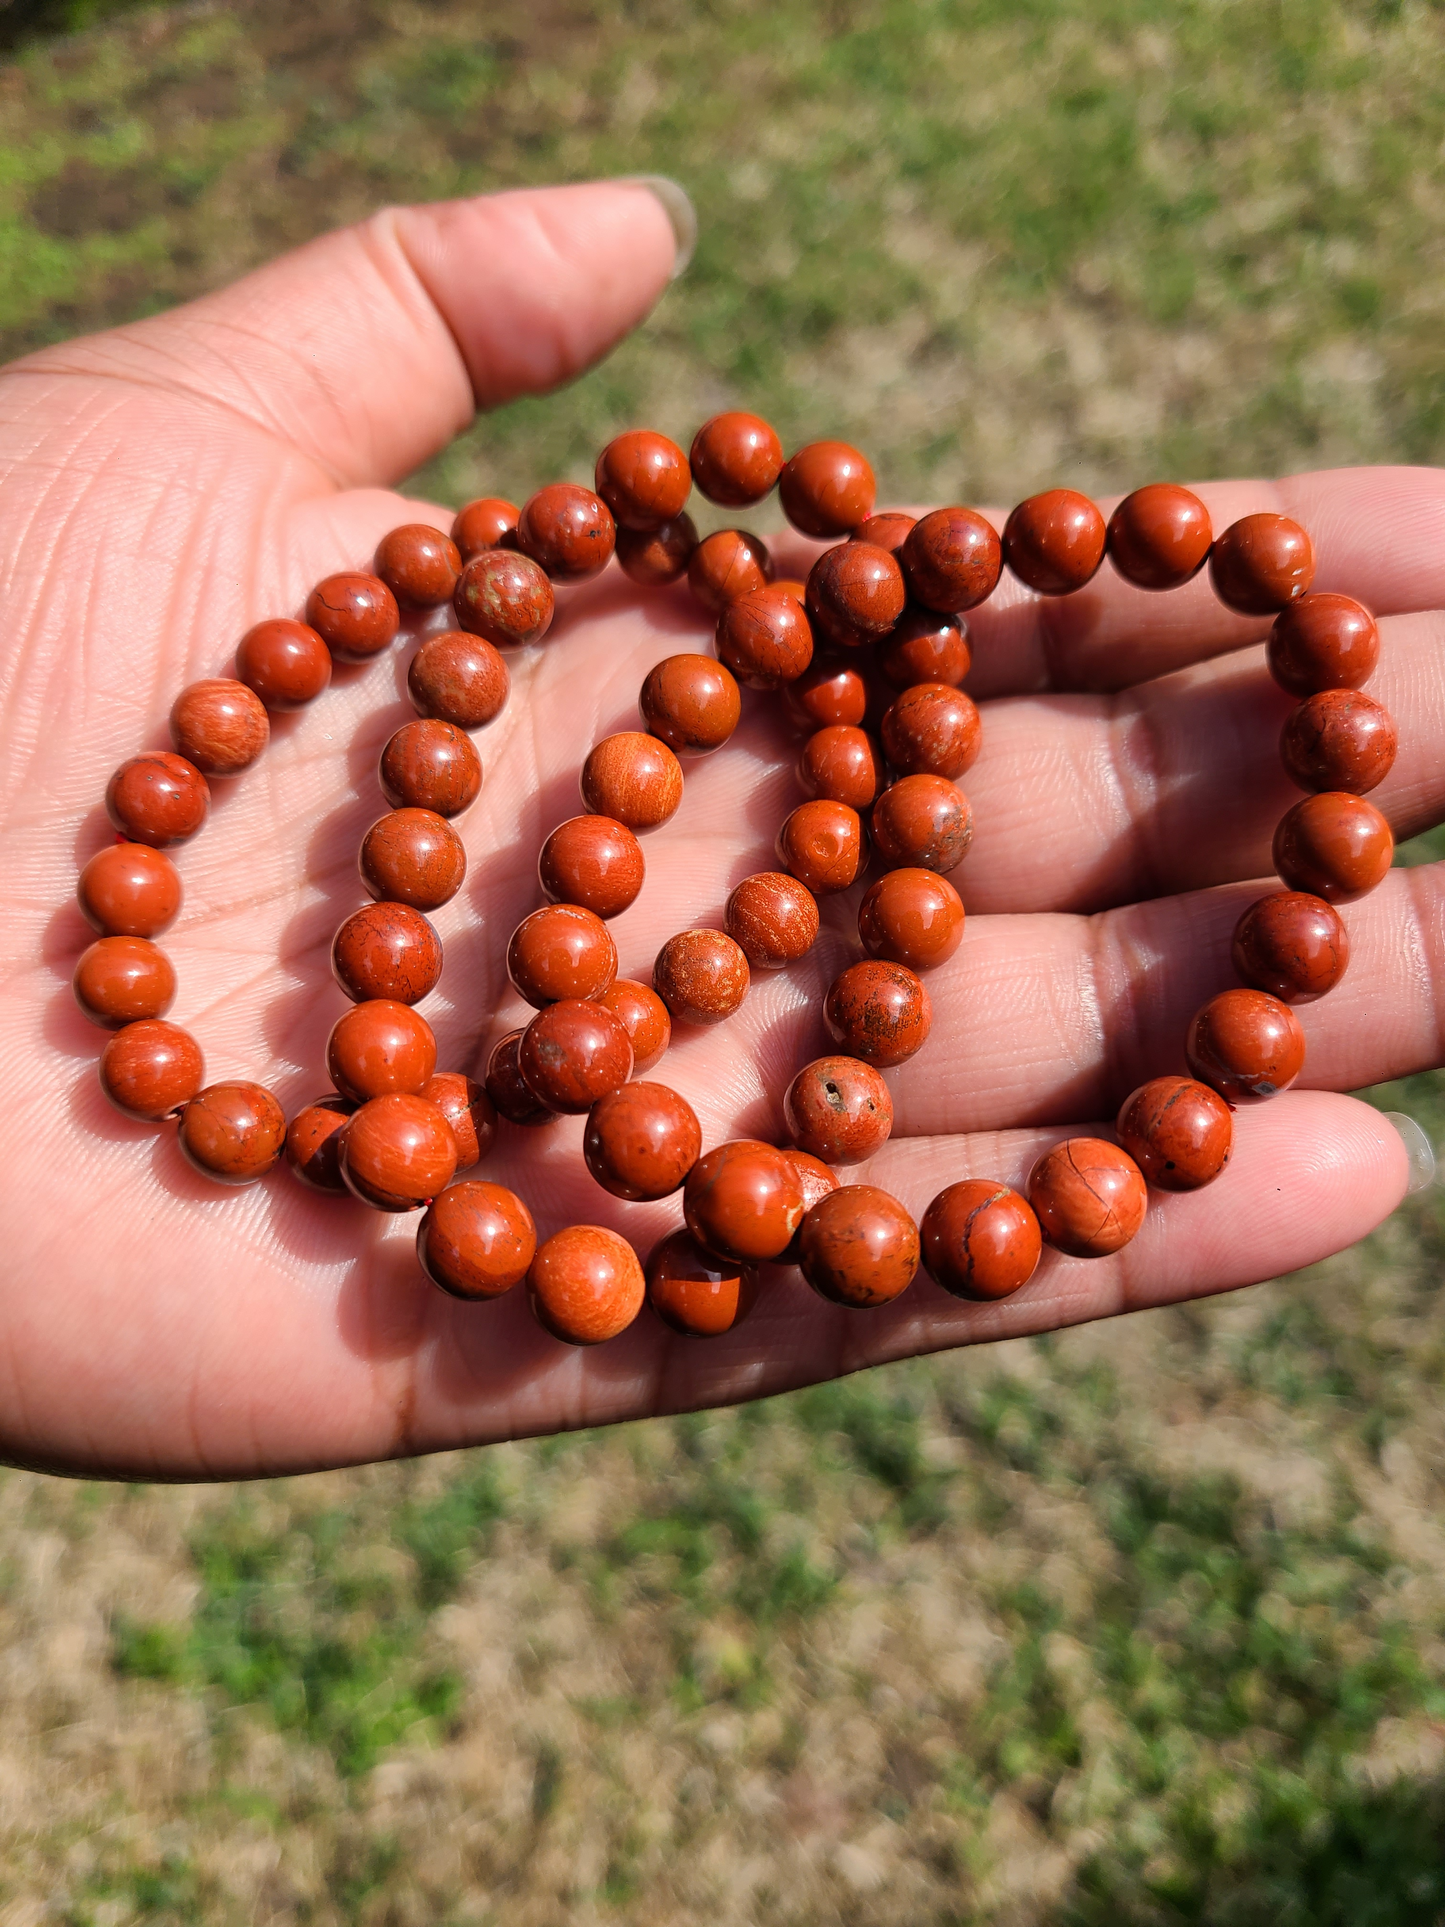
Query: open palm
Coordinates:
[164,486]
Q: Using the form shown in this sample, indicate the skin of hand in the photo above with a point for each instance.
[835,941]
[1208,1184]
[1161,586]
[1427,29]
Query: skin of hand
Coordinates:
[165,485]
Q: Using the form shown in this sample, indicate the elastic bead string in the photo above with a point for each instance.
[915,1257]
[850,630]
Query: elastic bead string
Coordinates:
[889,596]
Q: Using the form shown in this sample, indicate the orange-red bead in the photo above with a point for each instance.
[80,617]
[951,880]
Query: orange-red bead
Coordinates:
[505,598]
[924,646]
[467,1108]
[386,950]
[773,919]
[1178,1131]
[643,1015]
[285,663]
[313,1144]
[1291,944]
[1089,1195]
[736,459]
[573,1053]
[585,1285]
[487,523]
[643,478]
[922,822]
[854,593]
[1159,537]
[1054,542]
[220,725]
[157,798]
[827,488]
[477,1240]
[129,890]
[744,1201]
[695,1293]
[430,765]
[858,1247]
[912,917]
[397,1152]
[951,560]
[594,861]
[567,531]
[842,764]
[561,951]
[233,1133]
[764,638]
[691,703]
[728,564]
[1323,641]
[123,980]
[634,778]
[931,729]
[150,1069]
[641,1141]
[655,557]
[1340,739]
[458,678]
[838,1109]
[830,693]
[980,1240]
[419,565]
[1334,845]
[821,844]
[1261,564]
[510,1096]
[701,975]
[878,1011]
[378,1048]
[413,856]
[1246,1045]
[354,613]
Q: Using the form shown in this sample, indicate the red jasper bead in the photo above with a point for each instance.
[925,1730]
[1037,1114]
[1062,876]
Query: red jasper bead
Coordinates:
[378,1048]
[568,531]
[655,557]
[467,1108]
[585,1285]
[878,1011]
[726,565]
[511,1097]
[1178,1132]
[693,1292]
[354,613]
[397,1152]
[233,1133]
[1246,1045]
[838,1109]
[283,662]
[573,1053]
[1054,542]
[1291,944]
[313,1144]
[123,980]
[415,857]
[1089,1195]
[924,646]
[980,1240]
[1159,537]
[691,703]
[951,560]
[1334,845]
[821,844]
[419,565]
[736,459]
[157,798]
[888,529]
[477,1240]
[1323,641]
[386,950]
[458,679]
[633,778]
[504,598]
[922,822]
[764,638]
[744,1201]
[487,523]
[594,861]
[773,919]
[827,489]
[931,730]
[817,1181]
[1261,564]
[912,917]
[643,1015]
[150,1069]
[858,1247]
[641,1141]
[828,694]
[1340,739]
[220,725]
[854,593]
[843,765]
[431,765]
[129,890]
[643,478]
[701,975]
[561,951]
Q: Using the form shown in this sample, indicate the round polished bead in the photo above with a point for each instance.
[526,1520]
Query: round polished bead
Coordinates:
[1089,1195]
[573,1053]
[1334,845]
[728,564]
[354,613]
[924,646]
[773,919]
[487,523]
[150,1069]
[744,1201]
[817,1181]
[431,765]
[1246,1045]
[285,663]
[561,951]
[643,478]
[797,590]
[951,560]
[1159,536]
[829,693]
[415,857]
[313,1143]
[695,1293]
[701,975]
[912,917]
[931,730]
[922,822]
[419,565]
[858,1247]
[691,703]
[585,1285]
[379,1048]
[157,798]
[233,1133]
[568,531]
[1340,739]
[129,890]
[1323,641]
[641,1141]
[1178,1131]
[821,844]
[477,1240]
[980,1240]
[827,489]
[397,1152]
[842,764]
[467,1108]
[878,1011]
[386,950]
[458,679]
[1291,944]
[764,638]
[594,861]
[633,778]
[888,529]
[220,725]
[643,1015]
[123,980]
[1261,564]
[1054,542]
[655,557]
[504,598]
[511,1098]
[854,594]
[839,1110]
[736,459]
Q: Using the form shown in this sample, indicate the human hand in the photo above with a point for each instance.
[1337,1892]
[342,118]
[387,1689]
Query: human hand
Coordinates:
[166,485]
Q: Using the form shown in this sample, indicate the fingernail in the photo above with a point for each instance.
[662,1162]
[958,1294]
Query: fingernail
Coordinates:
[677,206]
[1418,1148]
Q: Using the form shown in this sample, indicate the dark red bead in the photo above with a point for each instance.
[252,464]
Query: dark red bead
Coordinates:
[641,1141]
[643,478]
[458,678]
[285,663]
[313,1144]
[487,523]
[655,557]
[924,646]
[736,459]
[431,765]
[419,565]
[827,489]
[951,560]
[568,531]
[354,613]
[1292,945]
[695,1293]
[1340,739]
[1323,641]
[512,1098]
[855,593]
[233,1133]
[572,1053]
[728,564]
[386,950]
[157,798]
[1054,542]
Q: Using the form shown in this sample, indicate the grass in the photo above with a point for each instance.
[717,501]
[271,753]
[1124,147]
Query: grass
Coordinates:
[1144,1625]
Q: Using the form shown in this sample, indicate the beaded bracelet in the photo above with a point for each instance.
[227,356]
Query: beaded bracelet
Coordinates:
[877,631]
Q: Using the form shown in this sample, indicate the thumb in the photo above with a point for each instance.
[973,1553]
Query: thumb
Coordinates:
[369,349]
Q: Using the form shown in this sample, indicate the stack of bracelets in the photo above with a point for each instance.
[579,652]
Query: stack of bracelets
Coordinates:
[878,622]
